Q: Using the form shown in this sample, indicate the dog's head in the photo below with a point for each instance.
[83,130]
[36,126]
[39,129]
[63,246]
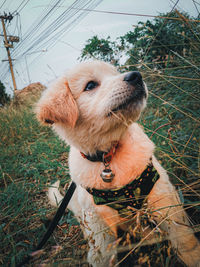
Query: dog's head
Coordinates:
[93,102]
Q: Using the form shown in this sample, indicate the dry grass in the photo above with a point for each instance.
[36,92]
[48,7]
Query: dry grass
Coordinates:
[32,157]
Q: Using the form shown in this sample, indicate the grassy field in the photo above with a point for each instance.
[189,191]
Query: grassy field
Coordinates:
[32,157]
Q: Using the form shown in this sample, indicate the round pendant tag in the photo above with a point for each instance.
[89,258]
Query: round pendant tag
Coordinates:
[107,175]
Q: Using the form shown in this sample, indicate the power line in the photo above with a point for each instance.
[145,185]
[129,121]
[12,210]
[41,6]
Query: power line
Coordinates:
[60,26]
[23,6]
[38,23]
[34,27]
[19,6]
[68,44]
[48,33]
[130,14]
[195,6]
[42,34]
[39,35]
[3,3]
[50,42]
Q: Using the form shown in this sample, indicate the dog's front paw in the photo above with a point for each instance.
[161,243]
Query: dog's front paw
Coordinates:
[95,257]
[98,259]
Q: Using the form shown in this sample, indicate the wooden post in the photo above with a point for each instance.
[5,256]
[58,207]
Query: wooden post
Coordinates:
[6,44]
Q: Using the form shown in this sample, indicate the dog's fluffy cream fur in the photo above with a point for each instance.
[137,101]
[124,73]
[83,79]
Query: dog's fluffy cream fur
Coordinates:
[89,120]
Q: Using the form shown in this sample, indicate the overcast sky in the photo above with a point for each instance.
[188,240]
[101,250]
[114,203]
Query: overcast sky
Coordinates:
[56,60]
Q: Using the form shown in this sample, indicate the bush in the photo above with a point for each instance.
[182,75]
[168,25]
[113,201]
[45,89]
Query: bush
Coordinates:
[4,97]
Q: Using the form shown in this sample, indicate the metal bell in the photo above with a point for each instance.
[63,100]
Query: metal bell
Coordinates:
[107,175]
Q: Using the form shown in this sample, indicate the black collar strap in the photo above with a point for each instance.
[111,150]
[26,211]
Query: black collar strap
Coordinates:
[129,197]
[95,157]
[102,156]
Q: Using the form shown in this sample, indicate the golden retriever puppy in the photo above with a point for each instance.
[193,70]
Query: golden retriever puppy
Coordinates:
[94,109]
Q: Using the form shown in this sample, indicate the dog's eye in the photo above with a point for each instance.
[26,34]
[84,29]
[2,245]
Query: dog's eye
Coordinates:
[90,86]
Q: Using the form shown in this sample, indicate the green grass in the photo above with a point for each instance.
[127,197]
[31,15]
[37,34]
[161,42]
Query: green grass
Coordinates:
[32,157]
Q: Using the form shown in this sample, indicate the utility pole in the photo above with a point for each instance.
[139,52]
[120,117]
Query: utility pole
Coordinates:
[8,45]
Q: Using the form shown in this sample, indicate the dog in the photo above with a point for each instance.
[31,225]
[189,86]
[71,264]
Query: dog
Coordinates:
[94,109]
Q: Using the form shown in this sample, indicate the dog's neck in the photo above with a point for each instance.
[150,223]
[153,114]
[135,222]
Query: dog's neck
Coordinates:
[102,156]
[131,158]
[89,141]
[103,142]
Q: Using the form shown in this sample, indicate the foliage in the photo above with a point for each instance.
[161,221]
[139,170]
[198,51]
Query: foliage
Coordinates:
[160,40]
[4,98]
[102,49]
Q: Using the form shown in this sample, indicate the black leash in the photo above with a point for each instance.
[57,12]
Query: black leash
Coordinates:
[53,223]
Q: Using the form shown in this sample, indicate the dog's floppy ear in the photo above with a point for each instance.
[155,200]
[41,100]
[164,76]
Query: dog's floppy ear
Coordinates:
[57,105]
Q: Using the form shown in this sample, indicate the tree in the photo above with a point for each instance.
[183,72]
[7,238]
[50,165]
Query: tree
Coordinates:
[157,42]
[161,40]
[102,49]
[4,97]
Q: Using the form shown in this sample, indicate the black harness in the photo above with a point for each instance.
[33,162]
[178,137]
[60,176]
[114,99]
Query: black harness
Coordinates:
[129,197]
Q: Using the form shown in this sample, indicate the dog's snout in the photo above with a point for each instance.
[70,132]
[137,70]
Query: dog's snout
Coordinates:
[133,78]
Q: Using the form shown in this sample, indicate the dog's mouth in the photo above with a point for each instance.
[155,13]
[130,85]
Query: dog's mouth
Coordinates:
[137,95]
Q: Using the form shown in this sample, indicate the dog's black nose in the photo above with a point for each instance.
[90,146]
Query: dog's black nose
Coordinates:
[134,78]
